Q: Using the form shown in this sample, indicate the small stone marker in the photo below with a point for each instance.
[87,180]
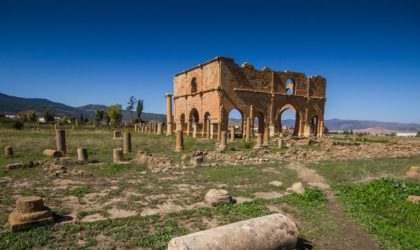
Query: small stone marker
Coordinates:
[8,151]
[232,134]
[275,231]
[215,197]
[30,212]
[82,155]
[179,144]
[266,136]
[276,183]
[127,142]
[117,134]
[52,153]
[60,139]
[223,141]
[118,155]
[259,141]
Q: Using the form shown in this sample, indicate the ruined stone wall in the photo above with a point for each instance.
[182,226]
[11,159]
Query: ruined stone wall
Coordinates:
[222,86]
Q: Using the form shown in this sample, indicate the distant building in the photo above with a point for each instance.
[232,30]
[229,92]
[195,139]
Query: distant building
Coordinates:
[406,134]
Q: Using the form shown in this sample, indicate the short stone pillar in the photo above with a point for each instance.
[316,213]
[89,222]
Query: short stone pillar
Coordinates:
[194,133]
[118,154]
[208,129]
[219,130]
[169,118]
[280,143]
[247,129]
[82,155]
[266,136]
[259,141]
[127,142]
[117,134]
[232,134]
[30,212]
[275,231]
[60,139]
[223,141]
[179,144]
[159,129]
[8,151]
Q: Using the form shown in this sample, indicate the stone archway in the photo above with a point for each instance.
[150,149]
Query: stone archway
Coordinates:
[281,124]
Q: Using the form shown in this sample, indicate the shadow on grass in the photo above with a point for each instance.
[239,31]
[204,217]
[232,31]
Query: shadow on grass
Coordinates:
[303,244]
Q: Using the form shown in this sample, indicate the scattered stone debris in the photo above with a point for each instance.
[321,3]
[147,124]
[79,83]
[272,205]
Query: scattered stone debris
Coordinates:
[197,158]
[414,198]
[297,188]
[276,183]
[154,161]
[30,212]
[215,197]
[414,172]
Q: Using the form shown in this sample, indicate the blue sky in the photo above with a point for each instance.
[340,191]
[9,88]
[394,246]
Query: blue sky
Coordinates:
[81,52]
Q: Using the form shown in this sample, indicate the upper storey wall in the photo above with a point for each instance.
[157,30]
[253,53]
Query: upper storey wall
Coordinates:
[266,80]
[206,78]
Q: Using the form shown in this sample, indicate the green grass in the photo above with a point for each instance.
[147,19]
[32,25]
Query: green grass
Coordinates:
[382,207]
[79,191]
[356,170]
[155,231]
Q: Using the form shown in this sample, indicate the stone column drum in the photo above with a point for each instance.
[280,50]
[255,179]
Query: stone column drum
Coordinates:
[82,155]
[259,141]
[127,142]
[30,212]
[275,231]
[179,144]
[8,151]
[117,134]
[223,141]
[118,154]
[60,139]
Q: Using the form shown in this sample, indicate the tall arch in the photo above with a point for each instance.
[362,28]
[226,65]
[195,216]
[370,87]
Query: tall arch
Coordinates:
[287,128]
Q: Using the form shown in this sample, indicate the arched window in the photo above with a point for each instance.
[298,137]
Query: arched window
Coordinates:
[194,85]
[290,87]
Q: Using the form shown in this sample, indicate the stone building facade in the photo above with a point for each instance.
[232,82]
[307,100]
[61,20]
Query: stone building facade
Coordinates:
[204,95]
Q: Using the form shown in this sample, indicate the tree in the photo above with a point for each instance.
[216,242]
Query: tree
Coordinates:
[65,119]
[48,115]
[81,119]
[32,116]
[130,107]
[114,113]
[21,116]
[99,116]
[139,108]
[418,134]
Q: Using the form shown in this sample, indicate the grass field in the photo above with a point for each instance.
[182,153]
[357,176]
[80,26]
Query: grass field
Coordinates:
[129,205]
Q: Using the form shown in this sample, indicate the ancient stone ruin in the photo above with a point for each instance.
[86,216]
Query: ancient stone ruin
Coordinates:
[205,95]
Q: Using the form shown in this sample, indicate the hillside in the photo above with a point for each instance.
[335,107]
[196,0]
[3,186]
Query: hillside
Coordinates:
[13,105]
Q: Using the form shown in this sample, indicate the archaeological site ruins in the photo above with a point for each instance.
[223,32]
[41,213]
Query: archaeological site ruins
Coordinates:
[205,95]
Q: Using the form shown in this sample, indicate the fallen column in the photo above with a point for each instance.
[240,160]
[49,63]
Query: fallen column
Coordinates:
[274,231]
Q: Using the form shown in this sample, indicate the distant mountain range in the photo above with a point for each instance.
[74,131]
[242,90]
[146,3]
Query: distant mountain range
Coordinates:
[12,105]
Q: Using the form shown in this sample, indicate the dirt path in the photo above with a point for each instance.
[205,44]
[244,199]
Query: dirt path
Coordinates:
[351,235]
